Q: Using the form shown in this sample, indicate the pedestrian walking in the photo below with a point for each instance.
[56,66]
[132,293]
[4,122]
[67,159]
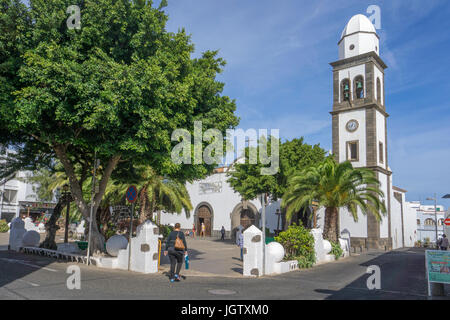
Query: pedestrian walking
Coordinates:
[193,230]
[222,231]
[241,245]
[176,247]
[444,243]
[202,230]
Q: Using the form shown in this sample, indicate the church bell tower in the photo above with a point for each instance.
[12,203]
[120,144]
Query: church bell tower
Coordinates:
[359,123]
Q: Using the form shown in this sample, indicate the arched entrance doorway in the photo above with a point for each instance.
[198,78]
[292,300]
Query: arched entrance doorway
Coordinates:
[203,214]
[245,215]
[247,218]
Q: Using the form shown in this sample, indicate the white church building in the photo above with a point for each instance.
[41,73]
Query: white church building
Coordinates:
[359,134]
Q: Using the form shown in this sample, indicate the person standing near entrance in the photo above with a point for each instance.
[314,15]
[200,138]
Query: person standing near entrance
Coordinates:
[444,243]
[176,247]
[202,230]
[193,231]
[241,245]
[222,231]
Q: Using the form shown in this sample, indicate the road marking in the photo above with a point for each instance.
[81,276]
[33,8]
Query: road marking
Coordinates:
[28,264]
[28,282]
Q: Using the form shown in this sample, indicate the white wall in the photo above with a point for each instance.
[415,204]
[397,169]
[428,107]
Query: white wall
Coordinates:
[381,137]
[409,218]
[222,204]
[359,134]
[363,42]
[348,225]
[384,224]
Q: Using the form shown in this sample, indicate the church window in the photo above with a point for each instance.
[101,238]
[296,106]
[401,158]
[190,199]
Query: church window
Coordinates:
[345,89]
[429,222]
[359,87]
[380,149]
[418,222]
[352,47]
[353,150]
[378,90]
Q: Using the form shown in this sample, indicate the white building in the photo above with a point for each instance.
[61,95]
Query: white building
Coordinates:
[18,197]
[359,134]
[359,129]
[426,221]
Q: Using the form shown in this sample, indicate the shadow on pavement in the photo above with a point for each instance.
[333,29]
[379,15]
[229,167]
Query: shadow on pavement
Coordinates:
[16,265]
[403,277]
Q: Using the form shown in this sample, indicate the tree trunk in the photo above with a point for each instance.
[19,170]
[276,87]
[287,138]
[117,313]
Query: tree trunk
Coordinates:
[98,240]
[51,227]
[331,228]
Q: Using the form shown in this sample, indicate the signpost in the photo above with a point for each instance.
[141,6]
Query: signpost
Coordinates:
[131,196]
[447,222]
[438,267]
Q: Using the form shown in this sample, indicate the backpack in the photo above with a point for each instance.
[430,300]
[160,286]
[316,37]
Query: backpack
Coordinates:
[179,245]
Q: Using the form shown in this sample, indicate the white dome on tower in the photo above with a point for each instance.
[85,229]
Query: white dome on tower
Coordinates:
[359,37]
[358,23]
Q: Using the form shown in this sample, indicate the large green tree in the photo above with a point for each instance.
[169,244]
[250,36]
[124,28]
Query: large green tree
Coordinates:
[335,185]
[117,87]
[246,178]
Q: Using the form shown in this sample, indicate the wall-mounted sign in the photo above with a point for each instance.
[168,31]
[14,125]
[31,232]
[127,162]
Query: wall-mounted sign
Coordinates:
[210,187]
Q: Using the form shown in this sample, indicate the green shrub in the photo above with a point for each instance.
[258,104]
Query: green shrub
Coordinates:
[336,250]
[165,230]
[298,244]
[3,226]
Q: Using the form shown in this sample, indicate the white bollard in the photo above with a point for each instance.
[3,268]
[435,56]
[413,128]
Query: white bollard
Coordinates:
[253,252]
[17,230]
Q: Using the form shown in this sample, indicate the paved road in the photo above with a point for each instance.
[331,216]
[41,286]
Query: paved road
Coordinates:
[402,277]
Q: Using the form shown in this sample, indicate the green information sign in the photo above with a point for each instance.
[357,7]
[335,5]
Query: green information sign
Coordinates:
[438,266]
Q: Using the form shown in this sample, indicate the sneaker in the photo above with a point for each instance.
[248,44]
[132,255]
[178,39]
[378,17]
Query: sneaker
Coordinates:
[177,278]
[172,280]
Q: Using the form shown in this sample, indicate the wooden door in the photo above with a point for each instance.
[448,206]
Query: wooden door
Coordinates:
[205,214]
[247,218]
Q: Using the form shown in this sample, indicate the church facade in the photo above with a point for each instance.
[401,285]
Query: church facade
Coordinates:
[359,135]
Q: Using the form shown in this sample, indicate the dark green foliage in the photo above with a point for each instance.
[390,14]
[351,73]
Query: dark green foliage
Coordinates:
[295,155]
[3,226]
[336,250]
[298,243]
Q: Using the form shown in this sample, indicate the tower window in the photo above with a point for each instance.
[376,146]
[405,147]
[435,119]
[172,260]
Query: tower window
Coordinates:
[380,147]
[352,47]
[359,87]
[378,90]
[345,89]
[353,150]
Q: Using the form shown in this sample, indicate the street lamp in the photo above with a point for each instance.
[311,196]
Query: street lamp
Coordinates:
[435,215]
[278,212]
[67,196]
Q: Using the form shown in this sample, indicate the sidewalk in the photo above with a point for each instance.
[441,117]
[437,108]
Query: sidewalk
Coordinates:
[210,257]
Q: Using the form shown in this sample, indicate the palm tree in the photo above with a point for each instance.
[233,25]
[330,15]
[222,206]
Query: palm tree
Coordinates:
[334,185]
[158,193]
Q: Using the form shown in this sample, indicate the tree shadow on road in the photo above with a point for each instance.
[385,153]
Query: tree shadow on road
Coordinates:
[402,275]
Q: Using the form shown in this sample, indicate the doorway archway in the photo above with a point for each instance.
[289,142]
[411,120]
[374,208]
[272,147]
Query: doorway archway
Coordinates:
[204,214]
[243,215]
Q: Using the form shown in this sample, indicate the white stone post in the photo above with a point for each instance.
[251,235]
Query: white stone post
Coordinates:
[17,230]
[253,252]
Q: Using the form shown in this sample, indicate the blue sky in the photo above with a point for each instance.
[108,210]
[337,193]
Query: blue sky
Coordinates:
[278,55]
